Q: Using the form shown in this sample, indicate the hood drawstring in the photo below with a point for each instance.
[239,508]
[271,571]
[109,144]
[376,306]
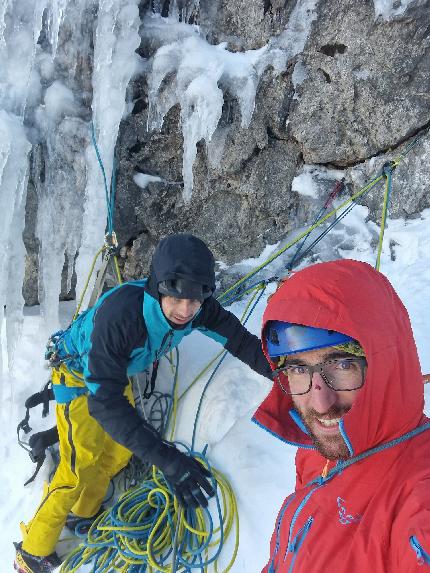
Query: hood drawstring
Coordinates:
[325,469]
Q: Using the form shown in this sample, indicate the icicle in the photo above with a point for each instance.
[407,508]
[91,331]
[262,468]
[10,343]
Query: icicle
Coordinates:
[3,9]
[199,68]
[174,10]
[201,110]
[116,41]
[39,9]
[157,6]
[20,25]
[58,9]
[14,149]
[59,195]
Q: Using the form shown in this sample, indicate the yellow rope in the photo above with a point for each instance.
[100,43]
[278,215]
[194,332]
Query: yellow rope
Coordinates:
[81,299]
[151,510]
[383,219]
[306,232]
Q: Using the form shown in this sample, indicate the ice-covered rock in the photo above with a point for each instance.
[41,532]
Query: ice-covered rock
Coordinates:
[194,74]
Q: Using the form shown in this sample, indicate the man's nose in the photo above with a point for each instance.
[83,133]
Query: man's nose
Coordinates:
[185,307]
[322,398]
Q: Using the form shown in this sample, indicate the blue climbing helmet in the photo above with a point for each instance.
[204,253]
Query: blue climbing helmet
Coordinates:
[285,338]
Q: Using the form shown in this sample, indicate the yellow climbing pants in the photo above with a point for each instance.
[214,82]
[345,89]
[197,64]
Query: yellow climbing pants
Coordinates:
[89,458]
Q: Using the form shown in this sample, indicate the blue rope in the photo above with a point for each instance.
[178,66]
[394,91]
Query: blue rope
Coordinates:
[216,369]
[110,197]
[240,293]
[305,238]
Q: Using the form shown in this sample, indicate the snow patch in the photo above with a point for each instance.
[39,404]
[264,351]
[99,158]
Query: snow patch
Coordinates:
[144,179]
[388,9]
[308,181]
[361,74]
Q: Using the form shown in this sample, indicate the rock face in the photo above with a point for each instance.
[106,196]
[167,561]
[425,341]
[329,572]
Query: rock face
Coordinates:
[367,83]
[350,101]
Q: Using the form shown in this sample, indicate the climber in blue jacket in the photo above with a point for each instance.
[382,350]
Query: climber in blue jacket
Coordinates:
[129,329]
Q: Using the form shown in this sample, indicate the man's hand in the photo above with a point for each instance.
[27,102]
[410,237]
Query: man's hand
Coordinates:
[187,477]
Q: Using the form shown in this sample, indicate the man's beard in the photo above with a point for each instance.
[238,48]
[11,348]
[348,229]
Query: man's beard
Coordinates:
[331,447]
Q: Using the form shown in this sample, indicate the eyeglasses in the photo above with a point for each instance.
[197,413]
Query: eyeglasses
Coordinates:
[340,374]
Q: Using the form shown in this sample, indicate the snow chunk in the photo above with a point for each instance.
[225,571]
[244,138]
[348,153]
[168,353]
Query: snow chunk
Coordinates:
[307,182]
[304,183]
[143,179]
[59,100]
[390,8]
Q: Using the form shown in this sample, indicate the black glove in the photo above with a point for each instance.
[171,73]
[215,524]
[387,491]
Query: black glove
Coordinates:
[185,474]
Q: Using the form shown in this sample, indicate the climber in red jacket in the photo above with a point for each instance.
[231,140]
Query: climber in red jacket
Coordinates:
[348,391]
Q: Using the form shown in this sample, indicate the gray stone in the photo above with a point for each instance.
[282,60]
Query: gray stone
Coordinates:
[368,82]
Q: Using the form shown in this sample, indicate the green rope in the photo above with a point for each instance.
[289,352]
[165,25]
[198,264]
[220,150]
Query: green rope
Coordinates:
[393,164]
[388,172]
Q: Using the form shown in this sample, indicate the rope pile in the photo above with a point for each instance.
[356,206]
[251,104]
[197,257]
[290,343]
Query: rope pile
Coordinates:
[147,531]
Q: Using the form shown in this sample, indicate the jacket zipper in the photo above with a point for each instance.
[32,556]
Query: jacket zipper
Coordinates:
[167,341]
[423,558]
[294,543]
[285,506]
[297,542]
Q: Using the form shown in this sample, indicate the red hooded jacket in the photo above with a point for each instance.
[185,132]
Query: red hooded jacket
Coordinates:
[371,512]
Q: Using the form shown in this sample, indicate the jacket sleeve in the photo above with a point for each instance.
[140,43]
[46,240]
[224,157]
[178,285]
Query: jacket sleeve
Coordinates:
[224,327]
[117,328]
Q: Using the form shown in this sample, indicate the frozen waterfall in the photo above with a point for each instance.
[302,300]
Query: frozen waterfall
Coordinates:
[44,109]
[115,61]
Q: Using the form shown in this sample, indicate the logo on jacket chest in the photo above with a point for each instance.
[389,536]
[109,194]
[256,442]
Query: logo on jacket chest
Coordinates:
[345,517]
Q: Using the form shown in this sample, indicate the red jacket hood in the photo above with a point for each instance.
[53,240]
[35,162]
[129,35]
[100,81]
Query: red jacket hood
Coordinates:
[353,298]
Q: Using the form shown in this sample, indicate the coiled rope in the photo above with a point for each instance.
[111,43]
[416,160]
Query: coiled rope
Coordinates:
[146,528]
